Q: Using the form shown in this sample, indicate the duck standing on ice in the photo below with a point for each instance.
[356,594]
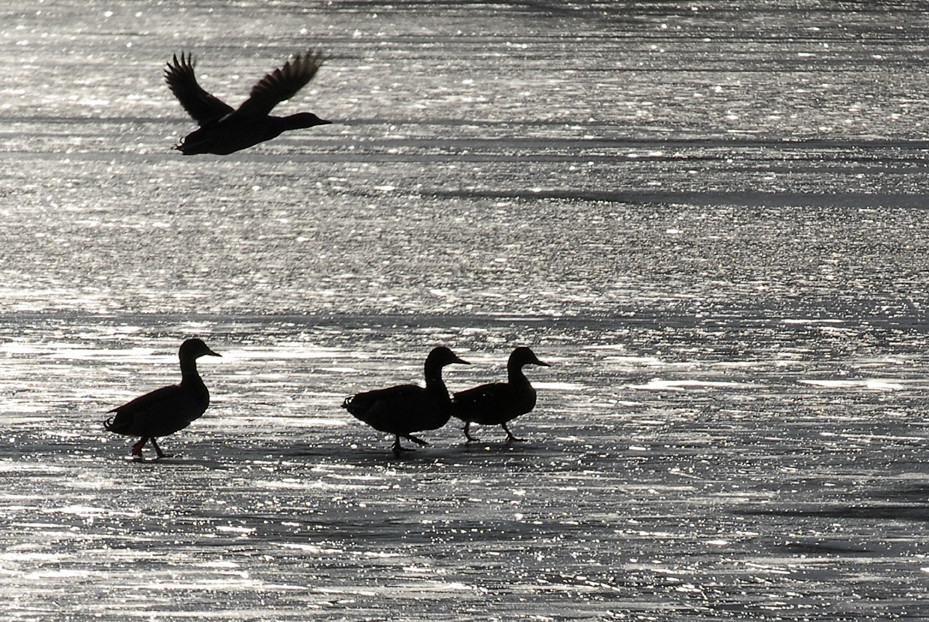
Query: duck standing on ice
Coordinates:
[224,130]
[501,402]
[404,409]
[166,410]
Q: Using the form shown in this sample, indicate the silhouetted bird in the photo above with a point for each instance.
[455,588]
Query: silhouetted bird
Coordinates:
[166,410]
[404,409]
[498,403]
[224,130]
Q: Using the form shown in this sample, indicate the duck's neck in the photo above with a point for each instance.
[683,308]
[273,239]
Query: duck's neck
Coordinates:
[290,122]
[434,380]
[193,384]
[515,375]
[189,371]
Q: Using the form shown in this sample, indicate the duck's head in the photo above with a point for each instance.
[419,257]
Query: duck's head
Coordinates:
[193,349]
[525,356]
[303,120]
[442,356]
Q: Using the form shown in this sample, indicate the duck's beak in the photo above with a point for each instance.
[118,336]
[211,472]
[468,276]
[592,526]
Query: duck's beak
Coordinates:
[211,353]
[461,361]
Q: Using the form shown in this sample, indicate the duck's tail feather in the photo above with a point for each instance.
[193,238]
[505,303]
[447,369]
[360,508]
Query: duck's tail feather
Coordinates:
[116,424]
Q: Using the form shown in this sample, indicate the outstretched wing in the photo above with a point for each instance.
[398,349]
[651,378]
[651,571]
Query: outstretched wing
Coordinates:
[281,84]
[203,107]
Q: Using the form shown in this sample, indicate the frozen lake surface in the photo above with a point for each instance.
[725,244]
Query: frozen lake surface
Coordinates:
[710,218]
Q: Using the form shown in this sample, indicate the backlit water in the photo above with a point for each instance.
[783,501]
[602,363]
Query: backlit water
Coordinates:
[708,217]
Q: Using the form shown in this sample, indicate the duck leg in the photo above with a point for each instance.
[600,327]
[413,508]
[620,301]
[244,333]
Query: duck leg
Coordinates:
[137,448]
[415,439]
[509,435]
[398,448]
[160,453]
[467,431]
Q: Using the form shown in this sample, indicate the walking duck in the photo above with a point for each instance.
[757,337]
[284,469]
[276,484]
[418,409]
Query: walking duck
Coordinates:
[404,409]
[499,403]
[166,410]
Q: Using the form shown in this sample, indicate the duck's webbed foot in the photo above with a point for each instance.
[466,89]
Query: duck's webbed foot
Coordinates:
[137,449]
[416,440]
[509,436]
[158,451]
[398,448]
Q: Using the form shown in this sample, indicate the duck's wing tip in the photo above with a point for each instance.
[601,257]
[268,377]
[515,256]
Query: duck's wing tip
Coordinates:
[202,106]
[282,83]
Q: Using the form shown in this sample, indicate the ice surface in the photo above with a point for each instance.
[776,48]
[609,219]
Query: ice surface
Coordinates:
[710,218]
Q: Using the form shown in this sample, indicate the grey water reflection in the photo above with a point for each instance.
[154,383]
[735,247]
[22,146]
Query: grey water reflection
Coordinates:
[709,218]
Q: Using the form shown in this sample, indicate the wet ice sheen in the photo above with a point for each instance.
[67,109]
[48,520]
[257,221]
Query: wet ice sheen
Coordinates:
[709,218]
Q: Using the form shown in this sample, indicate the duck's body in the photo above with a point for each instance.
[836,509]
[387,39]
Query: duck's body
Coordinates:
[224,130]
[501,402]
[231,134]
[166,410]
[404,409]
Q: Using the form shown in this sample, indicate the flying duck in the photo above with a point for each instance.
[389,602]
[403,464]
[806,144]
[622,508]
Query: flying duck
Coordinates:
[408,408]
[166,410]
[224,130]
[498,403]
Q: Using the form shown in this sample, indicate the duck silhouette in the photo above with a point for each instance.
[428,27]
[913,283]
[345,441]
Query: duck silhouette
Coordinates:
[166,410]
[404,409]
[224,130]
[499,403]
